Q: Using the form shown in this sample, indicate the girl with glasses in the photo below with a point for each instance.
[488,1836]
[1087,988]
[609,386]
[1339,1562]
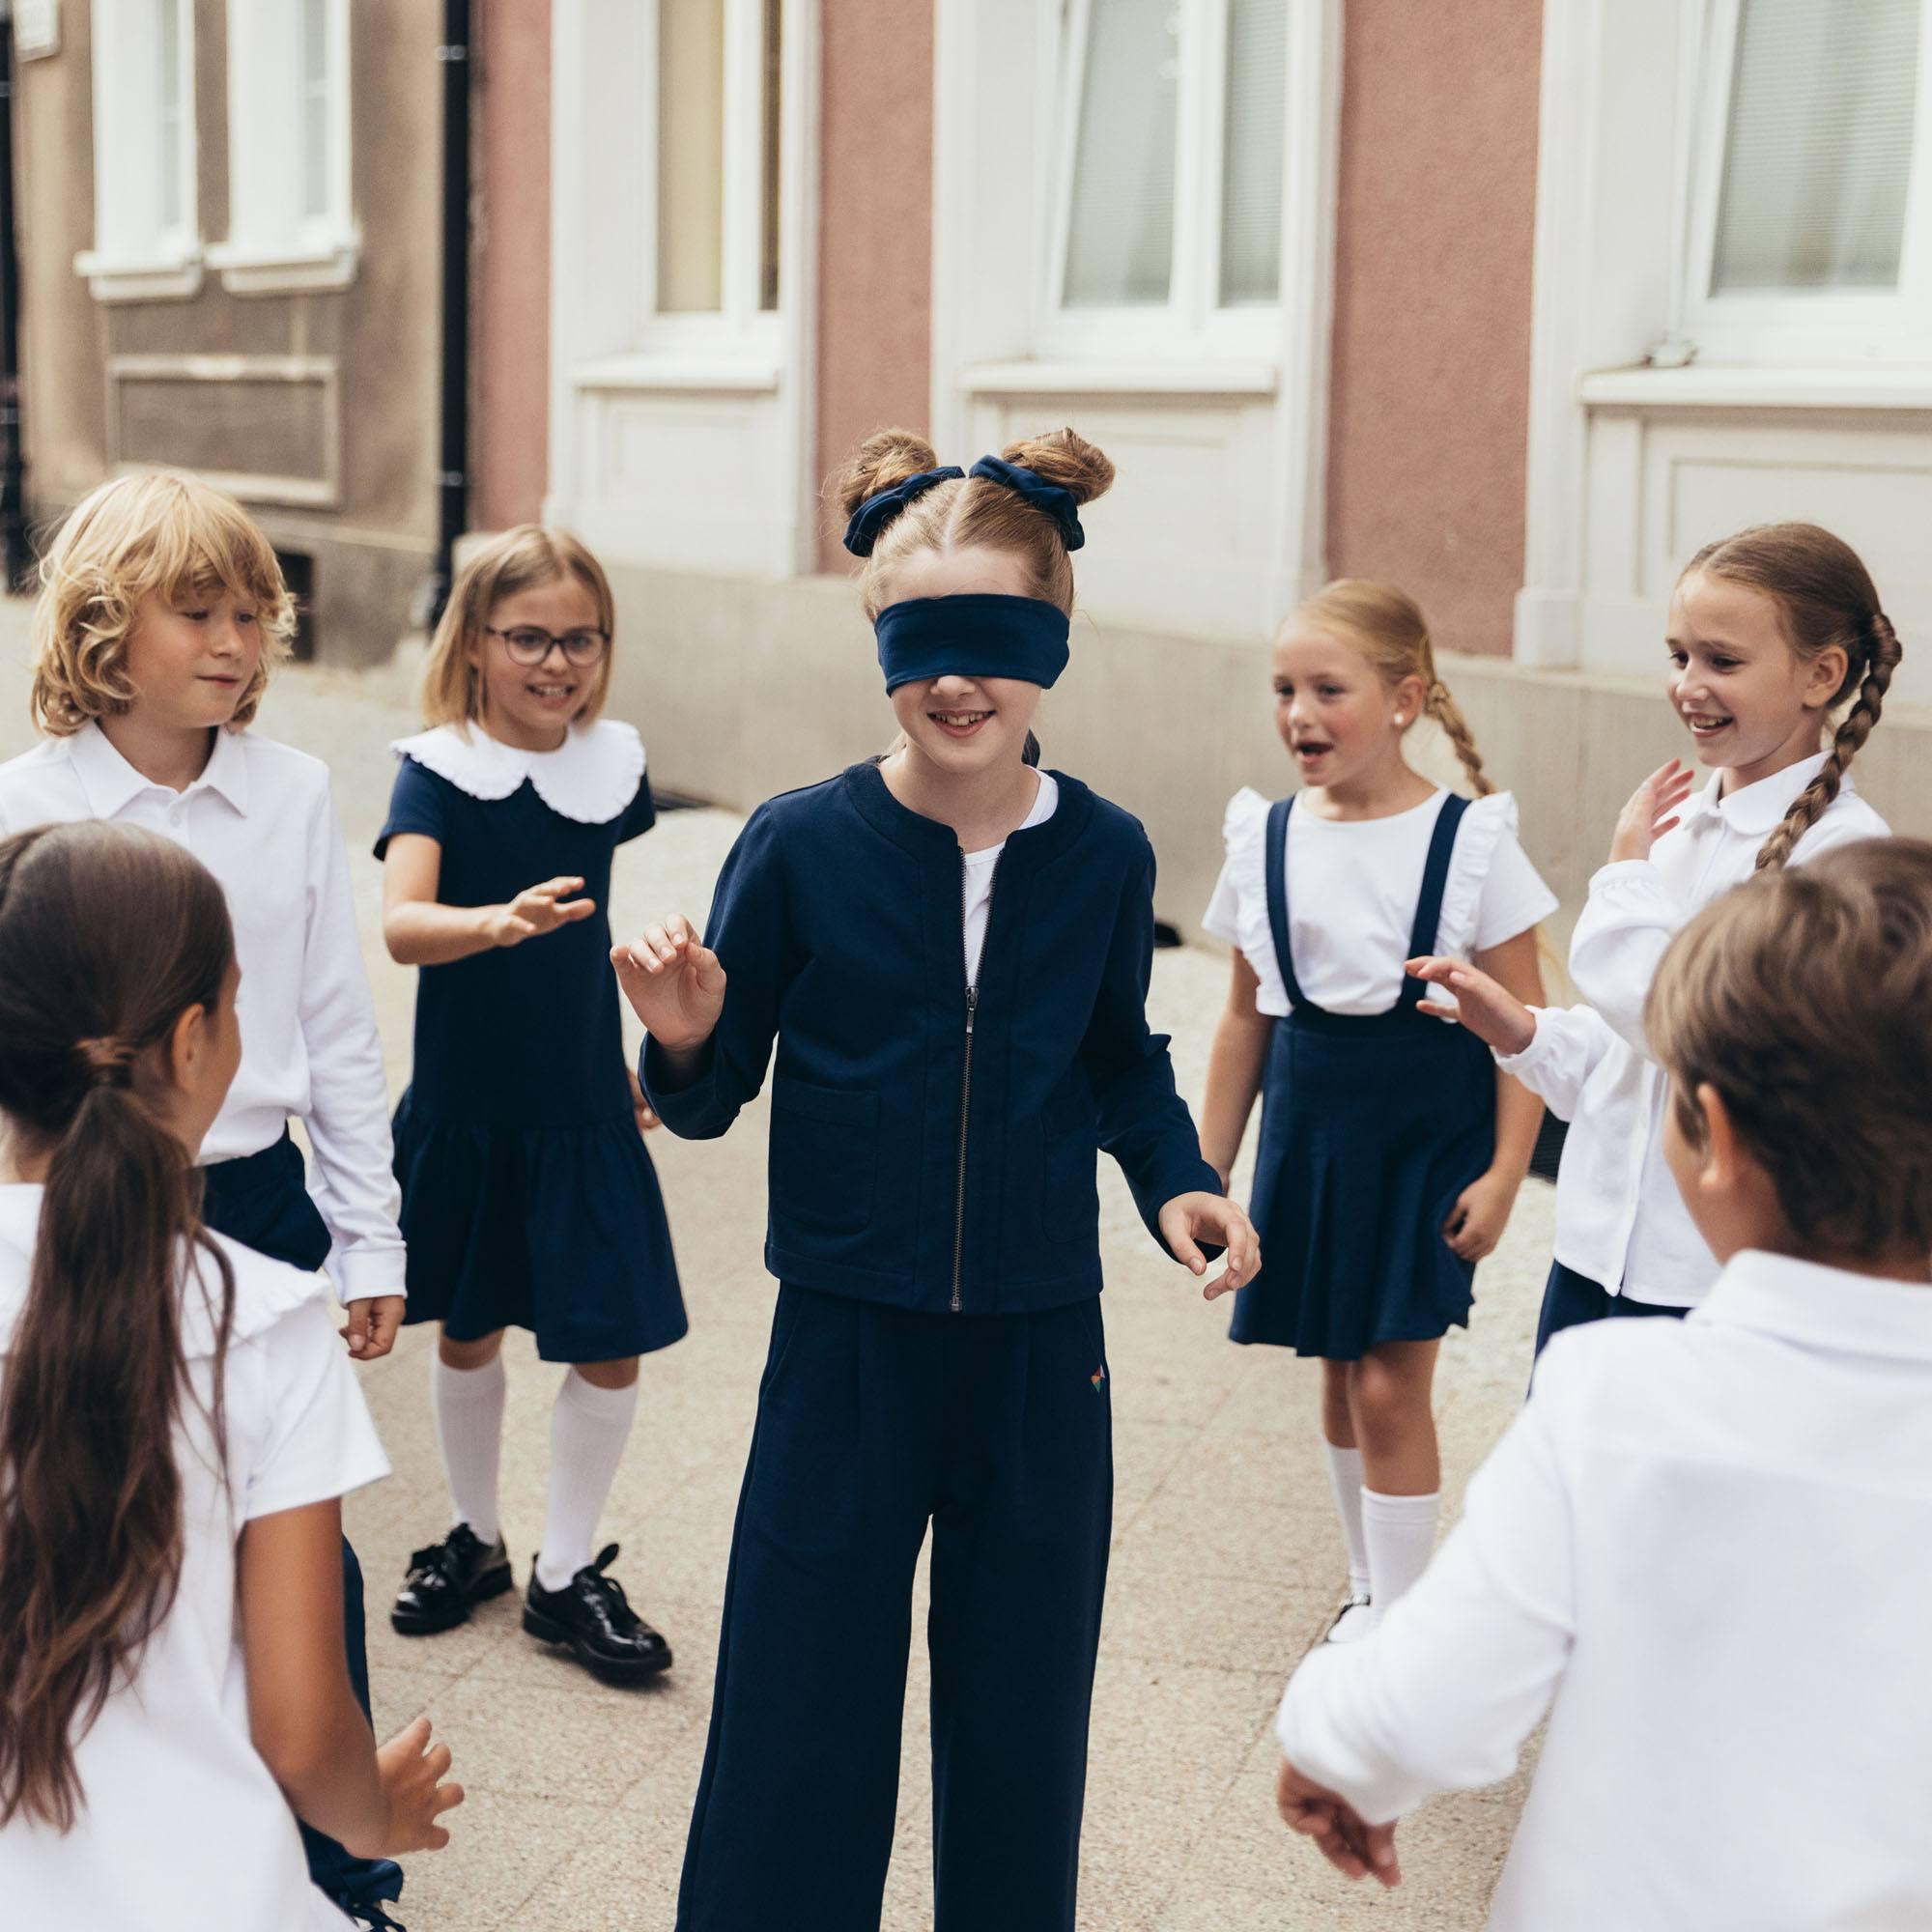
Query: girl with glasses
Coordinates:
[528,1199]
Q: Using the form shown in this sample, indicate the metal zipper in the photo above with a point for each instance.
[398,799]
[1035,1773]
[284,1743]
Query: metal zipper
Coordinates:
[966,1075]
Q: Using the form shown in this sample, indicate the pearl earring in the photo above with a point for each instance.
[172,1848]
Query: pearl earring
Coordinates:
[1399,718]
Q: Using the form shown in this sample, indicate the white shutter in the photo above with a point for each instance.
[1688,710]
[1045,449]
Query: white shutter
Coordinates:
[1252,157]
[1119,242]
[1818,151]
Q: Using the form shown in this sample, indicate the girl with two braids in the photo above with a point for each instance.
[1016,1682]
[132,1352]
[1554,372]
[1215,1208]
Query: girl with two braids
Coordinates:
[1391,1151]
[1772,632]
[177,1423]
[950,950]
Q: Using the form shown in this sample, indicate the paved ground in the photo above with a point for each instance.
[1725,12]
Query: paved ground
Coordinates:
[1226,1560]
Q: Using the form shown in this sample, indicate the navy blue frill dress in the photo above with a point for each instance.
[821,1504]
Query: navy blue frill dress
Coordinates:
[529,1198]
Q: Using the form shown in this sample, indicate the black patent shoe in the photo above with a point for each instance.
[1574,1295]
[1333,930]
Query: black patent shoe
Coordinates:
[448,1579]
[591,1616]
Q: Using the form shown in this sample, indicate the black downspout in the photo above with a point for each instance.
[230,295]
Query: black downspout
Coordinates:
[452,472]
[18,551]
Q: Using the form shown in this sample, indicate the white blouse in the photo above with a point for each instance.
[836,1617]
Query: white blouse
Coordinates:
[1619,1219]
[182,1823]
[1704,1550]
[1352,887]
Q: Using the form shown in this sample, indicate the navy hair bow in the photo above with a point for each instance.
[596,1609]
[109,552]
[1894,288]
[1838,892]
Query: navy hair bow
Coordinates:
[869,519]
[1055,499]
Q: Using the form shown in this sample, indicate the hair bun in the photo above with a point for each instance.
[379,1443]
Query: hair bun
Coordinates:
[1062,457]
[882,462]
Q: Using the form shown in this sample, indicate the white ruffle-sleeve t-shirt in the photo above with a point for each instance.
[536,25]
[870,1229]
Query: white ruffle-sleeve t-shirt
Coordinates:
[182,1824]
[1352,888]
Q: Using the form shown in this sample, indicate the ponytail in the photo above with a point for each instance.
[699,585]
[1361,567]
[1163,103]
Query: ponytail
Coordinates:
[1882,655]
[107,936]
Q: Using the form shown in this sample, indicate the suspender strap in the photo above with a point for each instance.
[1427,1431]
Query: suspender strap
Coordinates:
[1275,857]
[1435,877]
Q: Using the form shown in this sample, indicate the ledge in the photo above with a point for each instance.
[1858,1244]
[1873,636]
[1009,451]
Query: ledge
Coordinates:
[255,271]
[124,278]
[1734,386]
[747,375]
[1117,376]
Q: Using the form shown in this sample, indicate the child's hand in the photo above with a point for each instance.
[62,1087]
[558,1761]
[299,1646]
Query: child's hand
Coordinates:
[673,982]
[1351,1846]
[537,909]
[1485,1006]
[1212,1217]
[413,1793]
[1481,1214]
[646,1114]
[373,1323]
[1651,811]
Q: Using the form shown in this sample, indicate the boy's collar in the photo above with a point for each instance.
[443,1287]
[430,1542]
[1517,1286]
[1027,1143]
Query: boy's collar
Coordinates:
[110,781]
[1821,1307]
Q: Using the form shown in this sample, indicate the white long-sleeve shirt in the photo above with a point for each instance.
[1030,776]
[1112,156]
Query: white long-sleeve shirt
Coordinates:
[1706,1550]
[260,817]
[1619,1220]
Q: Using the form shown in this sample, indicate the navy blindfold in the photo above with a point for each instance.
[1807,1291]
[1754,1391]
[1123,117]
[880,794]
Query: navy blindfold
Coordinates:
[1023,637]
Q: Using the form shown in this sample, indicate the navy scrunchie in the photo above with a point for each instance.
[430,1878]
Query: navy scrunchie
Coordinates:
[869,519]
[1055,499]
[975,636]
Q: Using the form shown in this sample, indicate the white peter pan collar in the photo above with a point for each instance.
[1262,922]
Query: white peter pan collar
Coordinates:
[591,777]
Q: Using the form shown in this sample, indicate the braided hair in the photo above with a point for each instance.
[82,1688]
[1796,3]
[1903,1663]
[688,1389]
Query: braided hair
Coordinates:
[1825,597]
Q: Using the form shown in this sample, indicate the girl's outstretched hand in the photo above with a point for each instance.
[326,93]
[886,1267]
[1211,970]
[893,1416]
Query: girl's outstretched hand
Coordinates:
[538,909]
[1652,811]
[1353,1847]
[414,1796]
[673,982]
[1485,1006]
[1212,1217]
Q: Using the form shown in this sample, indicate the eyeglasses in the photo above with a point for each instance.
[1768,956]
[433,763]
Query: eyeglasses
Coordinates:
[528,644]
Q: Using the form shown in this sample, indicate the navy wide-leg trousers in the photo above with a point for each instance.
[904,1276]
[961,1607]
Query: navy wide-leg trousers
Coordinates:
[872,1422]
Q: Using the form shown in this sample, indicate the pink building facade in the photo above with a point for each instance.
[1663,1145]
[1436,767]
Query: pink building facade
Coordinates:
[1514,302]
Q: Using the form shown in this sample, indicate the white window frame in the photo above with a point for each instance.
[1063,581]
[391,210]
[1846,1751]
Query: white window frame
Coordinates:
[1798,325]
[738,329]
[274,245]
[134,258]
[1192,322]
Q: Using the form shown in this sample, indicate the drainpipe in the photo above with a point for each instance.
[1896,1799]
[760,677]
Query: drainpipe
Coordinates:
[18,551]
[453,464]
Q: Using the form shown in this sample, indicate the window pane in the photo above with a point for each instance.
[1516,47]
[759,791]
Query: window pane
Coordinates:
[169,159]
[1253,158]
[315,106]
[768,173]
[1119,237]
[1819,145]
[690,155]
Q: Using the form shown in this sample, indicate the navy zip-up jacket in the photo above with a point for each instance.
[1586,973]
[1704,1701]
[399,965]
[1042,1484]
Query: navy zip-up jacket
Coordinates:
[933,1146]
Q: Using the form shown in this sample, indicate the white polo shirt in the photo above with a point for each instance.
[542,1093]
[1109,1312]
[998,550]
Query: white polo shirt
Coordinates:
[1619,1220]
[260,817]
[1705,1550]
[182,1824]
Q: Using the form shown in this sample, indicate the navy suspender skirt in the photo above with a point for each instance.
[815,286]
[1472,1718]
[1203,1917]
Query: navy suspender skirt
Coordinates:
[1372,1125]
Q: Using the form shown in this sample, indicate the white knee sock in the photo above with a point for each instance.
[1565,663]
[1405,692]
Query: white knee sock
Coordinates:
[468,1408]
[588,1429]
[1345,1472]
[1400,1534]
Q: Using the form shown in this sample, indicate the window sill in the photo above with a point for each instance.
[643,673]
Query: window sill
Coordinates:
[749,374]
[255,271]
[1739,387]
[1122,376]
[124,278]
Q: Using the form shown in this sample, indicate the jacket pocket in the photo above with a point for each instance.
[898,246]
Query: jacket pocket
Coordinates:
[825,1157]
[1069,1202]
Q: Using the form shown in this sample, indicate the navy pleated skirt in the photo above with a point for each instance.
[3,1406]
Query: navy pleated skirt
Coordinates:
[1371,1128]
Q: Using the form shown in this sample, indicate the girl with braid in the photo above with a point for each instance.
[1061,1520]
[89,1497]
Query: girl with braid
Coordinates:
[1770,632]
[1391,1151]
